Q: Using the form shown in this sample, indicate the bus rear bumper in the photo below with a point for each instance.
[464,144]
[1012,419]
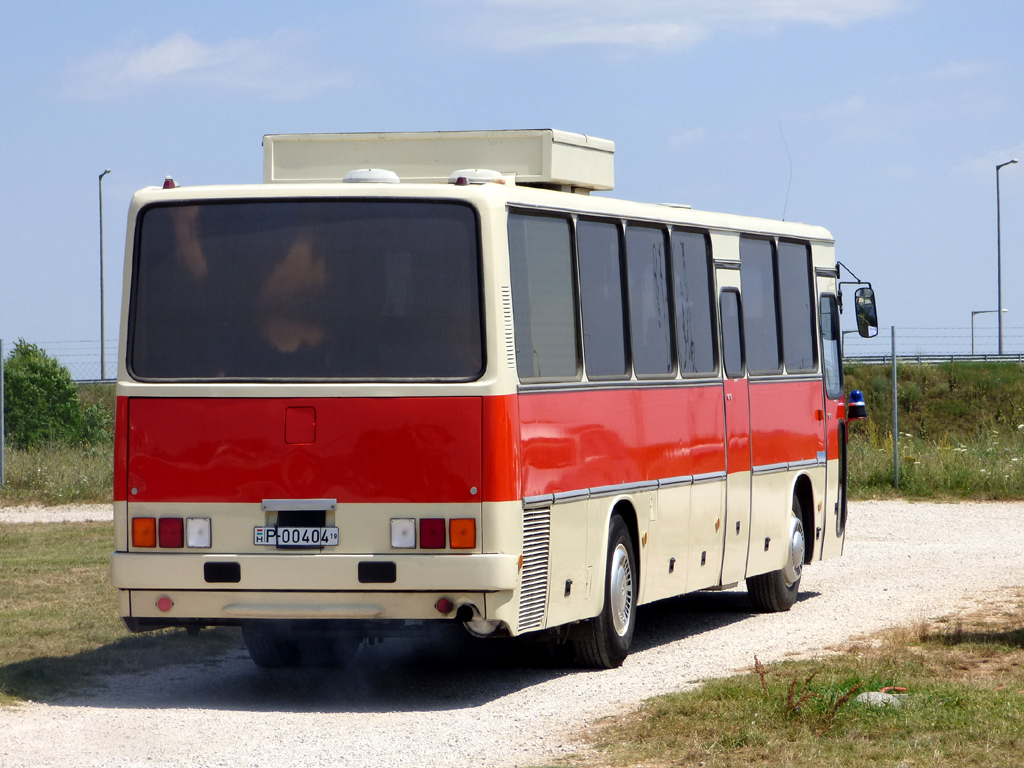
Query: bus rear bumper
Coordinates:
[177,587]
[362,573]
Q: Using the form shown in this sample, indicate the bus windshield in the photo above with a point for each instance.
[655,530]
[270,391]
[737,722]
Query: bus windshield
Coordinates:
[308,289]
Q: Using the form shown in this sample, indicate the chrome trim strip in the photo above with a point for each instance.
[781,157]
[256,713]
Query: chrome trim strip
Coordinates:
[805,463]
[549,499]
[572,495]
[624,384]
[536,502]
[299,505]
[782,378]
[727,264]
[766,469]
[612,490]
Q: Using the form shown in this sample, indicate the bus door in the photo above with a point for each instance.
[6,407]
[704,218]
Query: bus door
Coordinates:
[736,522]
[834,519]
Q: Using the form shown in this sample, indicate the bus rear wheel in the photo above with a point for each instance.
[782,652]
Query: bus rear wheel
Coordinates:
[604,640]
[269,649]
[777,591]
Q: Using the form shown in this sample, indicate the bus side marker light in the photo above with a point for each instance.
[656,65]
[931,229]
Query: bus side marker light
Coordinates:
[165,603]
[432,534]
[198,532]
[444,605]
[462,533]
[143,532]
[403,533]
[171,532]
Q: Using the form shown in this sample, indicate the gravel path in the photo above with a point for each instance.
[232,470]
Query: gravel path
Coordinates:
[72,513]
[433,703]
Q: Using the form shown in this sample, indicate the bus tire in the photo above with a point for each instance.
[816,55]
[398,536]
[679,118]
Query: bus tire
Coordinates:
[605,639]
[332,651]
[269,649]
[777,591]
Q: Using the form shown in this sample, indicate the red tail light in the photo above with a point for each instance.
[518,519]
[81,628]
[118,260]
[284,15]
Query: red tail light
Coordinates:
[432,534]
[172,532]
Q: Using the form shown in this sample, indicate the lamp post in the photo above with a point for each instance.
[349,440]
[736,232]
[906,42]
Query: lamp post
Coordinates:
[999,253]
[983,312]
[102,325]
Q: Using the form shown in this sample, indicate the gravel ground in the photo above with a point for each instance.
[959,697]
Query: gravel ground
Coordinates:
[73,513]
[455,703]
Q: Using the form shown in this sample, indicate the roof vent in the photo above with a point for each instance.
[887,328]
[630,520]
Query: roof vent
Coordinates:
[476,176]
[371,176]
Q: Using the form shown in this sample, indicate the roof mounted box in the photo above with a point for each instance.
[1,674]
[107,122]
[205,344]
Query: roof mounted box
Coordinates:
[543,157]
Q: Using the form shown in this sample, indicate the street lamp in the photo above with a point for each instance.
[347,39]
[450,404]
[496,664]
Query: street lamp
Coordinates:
[983,312]
[999,253]
[102,325]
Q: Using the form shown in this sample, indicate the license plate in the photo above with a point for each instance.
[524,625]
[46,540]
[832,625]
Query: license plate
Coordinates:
[294,536]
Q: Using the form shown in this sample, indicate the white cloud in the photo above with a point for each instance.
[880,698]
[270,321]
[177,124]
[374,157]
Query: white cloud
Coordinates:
[657,23]
[958,70]
[277,66]
[688,137]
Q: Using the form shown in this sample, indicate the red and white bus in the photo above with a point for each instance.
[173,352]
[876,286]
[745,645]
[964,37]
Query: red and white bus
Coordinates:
[429,377]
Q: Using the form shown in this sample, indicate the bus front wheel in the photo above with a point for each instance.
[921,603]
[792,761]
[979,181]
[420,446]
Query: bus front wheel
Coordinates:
[605,639]
[777,591]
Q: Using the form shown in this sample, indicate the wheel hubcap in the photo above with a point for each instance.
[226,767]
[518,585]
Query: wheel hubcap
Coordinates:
[621,596]
[795,562]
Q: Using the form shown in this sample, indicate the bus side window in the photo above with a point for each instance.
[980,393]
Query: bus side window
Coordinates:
[650,325]
[543,302]
[796,292]
[732,333]
[693,294]
[601,303]
[830,352]
[760,317]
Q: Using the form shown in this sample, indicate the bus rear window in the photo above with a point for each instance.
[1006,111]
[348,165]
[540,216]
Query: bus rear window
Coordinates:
[313,289]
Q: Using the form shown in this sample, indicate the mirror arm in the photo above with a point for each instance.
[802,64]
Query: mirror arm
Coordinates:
[856,281]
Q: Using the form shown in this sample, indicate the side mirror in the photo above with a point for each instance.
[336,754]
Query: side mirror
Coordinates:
[867,314]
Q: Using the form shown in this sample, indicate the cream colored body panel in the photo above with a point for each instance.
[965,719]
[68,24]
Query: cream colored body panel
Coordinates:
[227,605]
[303,571]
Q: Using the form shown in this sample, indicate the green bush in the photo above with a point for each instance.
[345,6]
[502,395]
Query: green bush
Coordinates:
[41,403]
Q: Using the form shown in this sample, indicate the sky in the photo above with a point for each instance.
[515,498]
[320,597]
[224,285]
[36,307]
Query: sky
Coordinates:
[881,120]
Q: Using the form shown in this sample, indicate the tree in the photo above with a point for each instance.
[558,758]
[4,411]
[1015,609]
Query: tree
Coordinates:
[40,399]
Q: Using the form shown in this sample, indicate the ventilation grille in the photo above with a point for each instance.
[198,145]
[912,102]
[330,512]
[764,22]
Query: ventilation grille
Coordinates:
[533,596]
[510,340]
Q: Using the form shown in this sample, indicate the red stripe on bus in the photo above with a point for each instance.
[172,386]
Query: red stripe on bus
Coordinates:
[501,466]
[121,449]
[365,450]
[786,421]
[576,440]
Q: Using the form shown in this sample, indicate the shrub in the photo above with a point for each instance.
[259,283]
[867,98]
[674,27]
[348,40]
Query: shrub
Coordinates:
[41,402]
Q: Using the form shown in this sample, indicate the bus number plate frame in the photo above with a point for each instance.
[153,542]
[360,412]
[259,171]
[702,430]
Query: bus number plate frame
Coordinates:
[294,537]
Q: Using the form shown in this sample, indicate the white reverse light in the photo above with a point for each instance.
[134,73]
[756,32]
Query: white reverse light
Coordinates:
[197,532]
[403,533]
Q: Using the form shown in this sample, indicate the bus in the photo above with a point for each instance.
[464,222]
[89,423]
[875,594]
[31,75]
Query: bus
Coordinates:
[428,378]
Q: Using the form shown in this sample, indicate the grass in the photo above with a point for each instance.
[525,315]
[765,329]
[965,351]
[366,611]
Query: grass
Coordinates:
[59,627]
[59,474]
[964,706]
[961,431]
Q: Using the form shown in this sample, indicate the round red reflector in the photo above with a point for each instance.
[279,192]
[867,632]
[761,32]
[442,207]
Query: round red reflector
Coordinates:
[164,603]
[444,605]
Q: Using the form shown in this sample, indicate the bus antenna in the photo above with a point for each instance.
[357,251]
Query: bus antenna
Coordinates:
[790,183]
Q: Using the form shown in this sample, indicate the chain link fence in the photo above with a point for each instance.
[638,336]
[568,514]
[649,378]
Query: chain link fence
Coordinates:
[928,344]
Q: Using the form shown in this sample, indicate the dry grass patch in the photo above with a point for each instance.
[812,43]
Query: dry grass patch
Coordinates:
[59,627]
[964,705]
